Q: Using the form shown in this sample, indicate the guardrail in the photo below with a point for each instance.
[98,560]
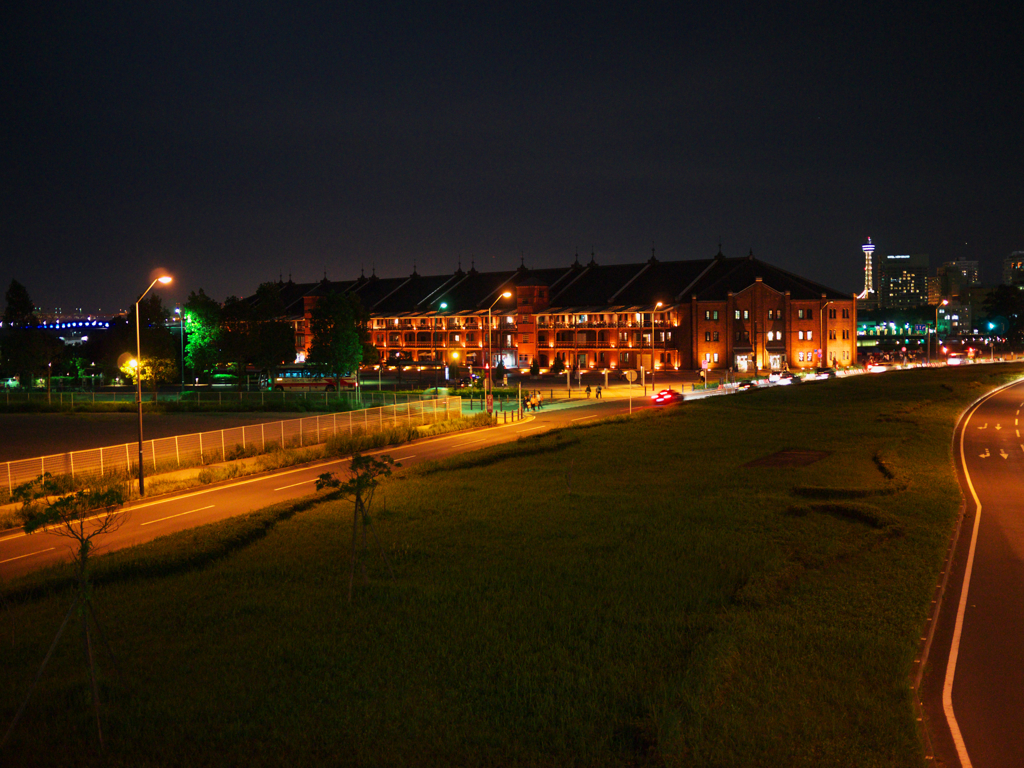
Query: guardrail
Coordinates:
[210,396]
[218,445]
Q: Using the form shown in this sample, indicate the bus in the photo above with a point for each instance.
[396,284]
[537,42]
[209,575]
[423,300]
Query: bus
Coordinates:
[298,378]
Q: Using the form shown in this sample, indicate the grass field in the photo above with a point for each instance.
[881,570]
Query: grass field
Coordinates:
[629,593]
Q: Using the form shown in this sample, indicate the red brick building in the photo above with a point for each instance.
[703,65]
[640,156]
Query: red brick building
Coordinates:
[739,313]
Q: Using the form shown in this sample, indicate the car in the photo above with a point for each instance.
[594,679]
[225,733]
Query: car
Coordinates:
[788,377]
[746,384]
[824,373]
[667,396]
[467,381]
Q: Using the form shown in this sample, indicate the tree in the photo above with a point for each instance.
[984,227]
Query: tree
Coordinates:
[534,367]
[255,331]
[24,349]
[202,333]
[558,366]
[338,324]
[155,370]
[1007,303]
[367,473]
[19,310]
[81,516]
[498,374]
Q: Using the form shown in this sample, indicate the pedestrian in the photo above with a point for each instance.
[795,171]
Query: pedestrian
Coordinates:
[540,401]
[588,391]
[597,393]
[533,403]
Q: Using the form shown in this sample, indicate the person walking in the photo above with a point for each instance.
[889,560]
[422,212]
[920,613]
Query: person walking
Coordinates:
[588,391]
[597,392]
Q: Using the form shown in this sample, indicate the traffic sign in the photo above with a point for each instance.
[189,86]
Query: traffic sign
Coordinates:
[630,376]
[490,402]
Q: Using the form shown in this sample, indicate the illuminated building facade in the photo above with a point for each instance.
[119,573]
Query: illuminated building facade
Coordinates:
[1013,269]
[903,281]
[719,313]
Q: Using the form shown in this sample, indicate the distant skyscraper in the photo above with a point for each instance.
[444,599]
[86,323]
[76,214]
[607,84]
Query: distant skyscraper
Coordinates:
[1013,269]
[903,281]
[869,271]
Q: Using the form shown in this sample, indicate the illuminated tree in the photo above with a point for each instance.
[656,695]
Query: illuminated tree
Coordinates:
[155,370]
[202,333]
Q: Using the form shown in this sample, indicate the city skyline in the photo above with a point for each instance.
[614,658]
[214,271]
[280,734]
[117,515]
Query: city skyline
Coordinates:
[232,145]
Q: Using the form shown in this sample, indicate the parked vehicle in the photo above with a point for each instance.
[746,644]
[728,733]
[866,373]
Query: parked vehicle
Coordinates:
[299,378]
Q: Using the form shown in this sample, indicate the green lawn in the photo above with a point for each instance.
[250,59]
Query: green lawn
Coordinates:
[629,593]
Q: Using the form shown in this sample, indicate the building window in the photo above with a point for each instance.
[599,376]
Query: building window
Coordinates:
[846,334]
[831,314]
[831,335]
[714,315]
[810,314]
[846,314]
[737,314]
[715,356]
[526,338]
[707,357]
[707,314]
[746,314]
[715,335]
[800,356]
[800,335]
[810,334]
[707,335]
[800,314]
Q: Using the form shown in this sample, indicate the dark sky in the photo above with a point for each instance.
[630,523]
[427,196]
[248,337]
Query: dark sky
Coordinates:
[236,141]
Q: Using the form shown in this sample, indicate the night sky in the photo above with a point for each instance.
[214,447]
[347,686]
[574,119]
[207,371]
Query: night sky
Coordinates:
[235,142]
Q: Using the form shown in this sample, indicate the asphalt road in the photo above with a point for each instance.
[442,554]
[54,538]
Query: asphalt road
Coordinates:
[979,652]
[151,518]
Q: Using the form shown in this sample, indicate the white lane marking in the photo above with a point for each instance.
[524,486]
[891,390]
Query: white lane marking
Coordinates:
[30,554]
[295,485]
[954,651]
[473,441]
[584,418]
[405,458]
[169,517]
[528,430]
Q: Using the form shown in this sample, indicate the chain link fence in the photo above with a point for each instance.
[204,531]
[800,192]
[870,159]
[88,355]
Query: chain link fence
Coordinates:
[168,453]
[354,399]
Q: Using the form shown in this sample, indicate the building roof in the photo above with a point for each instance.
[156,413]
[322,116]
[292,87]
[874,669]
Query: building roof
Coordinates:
[577,288]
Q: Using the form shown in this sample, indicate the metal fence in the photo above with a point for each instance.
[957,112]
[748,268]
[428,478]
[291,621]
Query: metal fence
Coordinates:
[364,397]
[168,453]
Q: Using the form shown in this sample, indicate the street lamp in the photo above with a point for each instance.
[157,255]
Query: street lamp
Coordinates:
[487,381]
[164,280]
[181,332]
[656,306]
[937,308]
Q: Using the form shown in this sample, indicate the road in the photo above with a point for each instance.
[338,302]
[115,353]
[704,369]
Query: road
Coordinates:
[979,652]
[151,518]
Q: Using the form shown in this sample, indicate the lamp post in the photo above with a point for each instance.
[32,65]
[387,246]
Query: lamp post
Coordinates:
[937,308]
[656,306]
[181,332]
[487,382]
[138,375]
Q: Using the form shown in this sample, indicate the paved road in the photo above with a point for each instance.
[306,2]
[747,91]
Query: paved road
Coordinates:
[151,518]
[981,656]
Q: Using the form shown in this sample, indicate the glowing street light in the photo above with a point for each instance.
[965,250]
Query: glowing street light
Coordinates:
[487,382]
[164,280]
[937,308]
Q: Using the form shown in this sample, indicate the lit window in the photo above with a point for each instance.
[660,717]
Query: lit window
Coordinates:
[714,315]
[715,335]
[810,334]
[771,336]
[746,314]
[716,357]
[737,314]
[800,314]
[800,356]
[800,335]
[707,335]
[707,357]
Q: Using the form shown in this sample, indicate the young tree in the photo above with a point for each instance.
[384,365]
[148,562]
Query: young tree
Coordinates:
[82,517]
[534,367]
[558,366]
[367,473]
[155,370]
[338,323]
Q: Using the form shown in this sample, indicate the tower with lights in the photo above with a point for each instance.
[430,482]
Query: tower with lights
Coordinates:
[869,271]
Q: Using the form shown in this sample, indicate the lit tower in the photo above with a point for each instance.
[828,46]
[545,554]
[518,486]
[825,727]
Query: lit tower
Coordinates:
[869,270]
